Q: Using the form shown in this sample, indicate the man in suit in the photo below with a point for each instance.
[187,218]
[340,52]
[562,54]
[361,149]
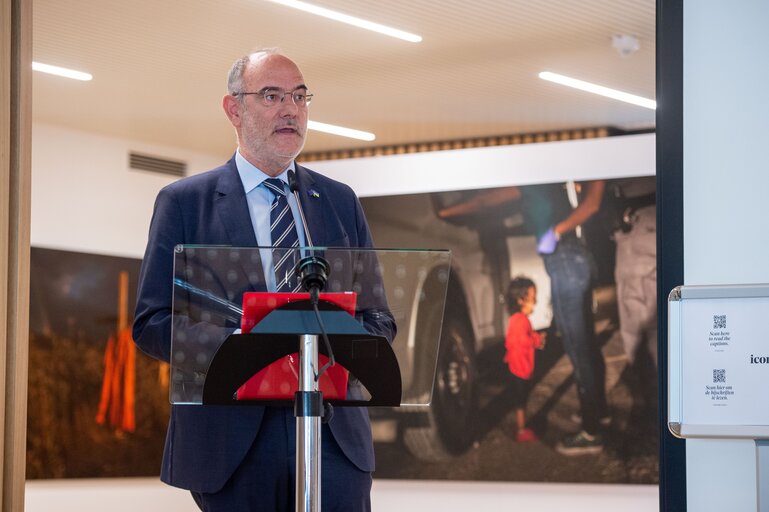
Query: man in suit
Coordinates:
[242,458]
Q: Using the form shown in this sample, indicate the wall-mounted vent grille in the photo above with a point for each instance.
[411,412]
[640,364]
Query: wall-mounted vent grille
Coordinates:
[155,164]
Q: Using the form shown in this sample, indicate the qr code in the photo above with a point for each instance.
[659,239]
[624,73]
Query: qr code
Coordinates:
[719,321]
[719,376]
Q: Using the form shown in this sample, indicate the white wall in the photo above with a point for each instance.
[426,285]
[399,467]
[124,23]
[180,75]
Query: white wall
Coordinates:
[84,198]
[726,186]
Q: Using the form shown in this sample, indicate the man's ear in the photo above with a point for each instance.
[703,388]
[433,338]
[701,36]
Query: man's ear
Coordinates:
[232,107]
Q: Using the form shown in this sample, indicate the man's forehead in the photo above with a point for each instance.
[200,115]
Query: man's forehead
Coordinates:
[268,70]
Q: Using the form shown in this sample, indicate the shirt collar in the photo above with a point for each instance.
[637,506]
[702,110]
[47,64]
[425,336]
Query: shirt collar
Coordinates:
[252,176]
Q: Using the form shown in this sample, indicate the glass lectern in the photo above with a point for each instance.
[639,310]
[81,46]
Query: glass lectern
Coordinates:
[332,335]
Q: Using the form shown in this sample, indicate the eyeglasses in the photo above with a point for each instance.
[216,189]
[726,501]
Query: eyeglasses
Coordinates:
[272,97]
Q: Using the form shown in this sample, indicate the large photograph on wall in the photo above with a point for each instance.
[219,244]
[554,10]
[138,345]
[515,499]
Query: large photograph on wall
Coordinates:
[548,334]
[547,366]
[97,407]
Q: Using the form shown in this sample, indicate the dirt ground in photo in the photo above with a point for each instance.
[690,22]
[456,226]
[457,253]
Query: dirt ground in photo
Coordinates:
[630,453]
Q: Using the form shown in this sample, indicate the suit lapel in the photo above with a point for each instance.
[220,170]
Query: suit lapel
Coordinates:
[318,211]
[231,207]
[311,206]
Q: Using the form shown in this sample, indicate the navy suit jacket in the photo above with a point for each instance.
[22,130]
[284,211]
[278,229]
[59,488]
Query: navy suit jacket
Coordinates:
[205,444]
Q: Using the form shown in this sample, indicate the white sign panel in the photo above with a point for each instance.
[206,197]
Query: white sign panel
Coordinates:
[719,355]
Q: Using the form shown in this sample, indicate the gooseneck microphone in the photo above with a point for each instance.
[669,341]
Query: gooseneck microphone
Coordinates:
[295,190]
[313,271]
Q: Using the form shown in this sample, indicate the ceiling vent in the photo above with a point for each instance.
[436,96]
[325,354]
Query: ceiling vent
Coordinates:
[156,164]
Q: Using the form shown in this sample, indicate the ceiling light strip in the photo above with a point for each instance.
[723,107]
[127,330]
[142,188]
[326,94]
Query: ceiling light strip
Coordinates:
[598,89]
[340,130]
[350,20]
[59,71]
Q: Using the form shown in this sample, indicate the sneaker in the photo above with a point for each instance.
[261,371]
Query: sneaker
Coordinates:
[580,444]
[526,435]
[604,421]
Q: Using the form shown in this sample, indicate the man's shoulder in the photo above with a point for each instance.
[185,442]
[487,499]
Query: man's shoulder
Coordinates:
[324,182]
[198,182]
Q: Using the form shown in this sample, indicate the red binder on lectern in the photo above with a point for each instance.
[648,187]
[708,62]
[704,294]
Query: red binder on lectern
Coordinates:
[280,380]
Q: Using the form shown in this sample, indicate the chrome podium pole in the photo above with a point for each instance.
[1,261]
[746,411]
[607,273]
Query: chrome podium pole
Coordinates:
[308,406]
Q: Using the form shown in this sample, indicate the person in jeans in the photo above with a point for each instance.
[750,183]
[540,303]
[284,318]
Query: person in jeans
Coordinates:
[550,215]
[569,263]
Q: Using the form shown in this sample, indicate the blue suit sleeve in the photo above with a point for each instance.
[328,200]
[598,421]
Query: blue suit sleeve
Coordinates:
[152,323]
[377,317]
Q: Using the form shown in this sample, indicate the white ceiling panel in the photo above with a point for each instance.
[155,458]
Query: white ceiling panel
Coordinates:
[160,66]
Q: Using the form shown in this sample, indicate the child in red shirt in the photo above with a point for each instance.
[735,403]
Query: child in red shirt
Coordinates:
[520,342]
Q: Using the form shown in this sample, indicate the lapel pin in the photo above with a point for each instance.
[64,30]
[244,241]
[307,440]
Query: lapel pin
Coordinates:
[313,193]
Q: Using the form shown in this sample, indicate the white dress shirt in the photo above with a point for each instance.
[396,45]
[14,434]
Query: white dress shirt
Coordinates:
[259,200]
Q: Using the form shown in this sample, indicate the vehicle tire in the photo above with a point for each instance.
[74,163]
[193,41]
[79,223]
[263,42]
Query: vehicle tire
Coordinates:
[448,429]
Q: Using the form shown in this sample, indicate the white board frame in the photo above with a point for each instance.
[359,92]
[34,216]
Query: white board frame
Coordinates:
[737,408]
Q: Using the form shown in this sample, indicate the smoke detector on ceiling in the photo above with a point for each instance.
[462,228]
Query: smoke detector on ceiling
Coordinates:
[625,45]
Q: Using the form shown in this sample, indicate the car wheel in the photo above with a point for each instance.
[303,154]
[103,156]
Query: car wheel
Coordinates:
[448,432]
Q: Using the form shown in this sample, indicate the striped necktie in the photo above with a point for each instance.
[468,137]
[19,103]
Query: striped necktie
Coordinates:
[284,236]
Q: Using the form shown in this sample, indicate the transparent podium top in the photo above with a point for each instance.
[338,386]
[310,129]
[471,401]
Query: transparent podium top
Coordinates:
[235,337]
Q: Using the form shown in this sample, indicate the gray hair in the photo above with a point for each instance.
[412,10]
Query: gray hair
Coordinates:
[235,76]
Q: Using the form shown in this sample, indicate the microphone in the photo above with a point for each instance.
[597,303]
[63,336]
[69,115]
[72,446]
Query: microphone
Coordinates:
[292,185]
[313,272]
[292,181]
